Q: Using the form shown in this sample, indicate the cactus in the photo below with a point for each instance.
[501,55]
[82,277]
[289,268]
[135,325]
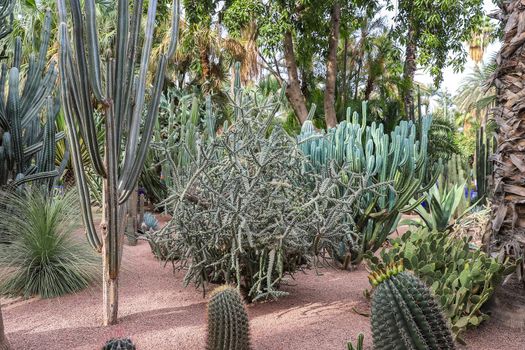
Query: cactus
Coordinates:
[6,17]
[399,159]
[483,165]
[359,344]
[405,314]
[27,148]
[124,102]
[228,325]
[150,222]
[119,344]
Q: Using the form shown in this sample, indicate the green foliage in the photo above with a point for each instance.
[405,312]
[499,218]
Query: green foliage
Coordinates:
[6,17]
[39,253]
[398,160]
[461,277]
[27,148]
[228,324]
[119,344]
[442,143]
[405,314]
[442,27]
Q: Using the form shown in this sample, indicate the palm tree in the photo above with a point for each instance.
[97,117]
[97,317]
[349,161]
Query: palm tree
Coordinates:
[475,94]
[508,211]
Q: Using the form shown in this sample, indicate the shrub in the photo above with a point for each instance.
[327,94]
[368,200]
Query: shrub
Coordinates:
[462,278]
[244,211]
[40,255]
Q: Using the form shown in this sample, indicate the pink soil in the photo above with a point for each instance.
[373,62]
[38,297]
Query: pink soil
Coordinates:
[157,312]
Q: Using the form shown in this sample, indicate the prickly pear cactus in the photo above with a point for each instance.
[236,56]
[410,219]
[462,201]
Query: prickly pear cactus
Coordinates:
[119,344]
[228,327]
[405,314]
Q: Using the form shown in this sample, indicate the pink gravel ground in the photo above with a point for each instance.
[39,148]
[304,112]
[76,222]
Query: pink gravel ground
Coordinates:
[157,312]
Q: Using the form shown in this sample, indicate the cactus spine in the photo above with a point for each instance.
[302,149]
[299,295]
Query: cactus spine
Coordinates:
[124,103]
[228,325]
[405,314]
[27,148]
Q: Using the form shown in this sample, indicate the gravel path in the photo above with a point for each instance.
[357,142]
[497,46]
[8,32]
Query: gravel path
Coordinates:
[159,313]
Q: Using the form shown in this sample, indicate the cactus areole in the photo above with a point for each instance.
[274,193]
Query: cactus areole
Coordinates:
[405,314]
[130,112]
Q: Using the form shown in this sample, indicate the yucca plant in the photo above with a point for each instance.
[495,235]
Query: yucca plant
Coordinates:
[40,254]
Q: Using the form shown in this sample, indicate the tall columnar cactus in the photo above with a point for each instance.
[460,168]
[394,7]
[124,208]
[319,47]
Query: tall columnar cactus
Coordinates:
[399,159]
[228,325]
[483,165]
[6,17]
[405,314]
[27,148]
[123,104]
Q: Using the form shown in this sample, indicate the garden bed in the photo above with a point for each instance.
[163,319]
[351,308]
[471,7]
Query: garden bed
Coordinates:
[159,313]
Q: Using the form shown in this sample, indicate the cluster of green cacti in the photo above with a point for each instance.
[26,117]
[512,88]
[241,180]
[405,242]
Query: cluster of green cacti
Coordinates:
[462,278]
[405,314]
[119,344]
[398,159]
[228,324]
[27,148]
[484,149]
[6,17]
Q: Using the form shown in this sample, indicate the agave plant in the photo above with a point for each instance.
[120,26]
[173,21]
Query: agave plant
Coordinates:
[442,207]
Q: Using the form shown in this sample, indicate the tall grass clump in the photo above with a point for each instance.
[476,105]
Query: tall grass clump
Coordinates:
[39,254]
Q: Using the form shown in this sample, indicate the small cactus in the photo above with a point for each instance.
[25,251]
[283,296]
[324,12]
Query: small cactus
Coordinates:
[150,222]
[119,344]
[228,325]
[405,314]
[359,344]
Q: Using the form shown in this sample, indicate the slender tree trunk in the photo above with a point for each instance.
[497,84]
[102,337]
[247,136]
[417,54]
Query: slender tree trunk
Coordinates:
[4,344]
[508,209]
[293,88]
[409,72]
[110,228]
[344,85]
[331,68]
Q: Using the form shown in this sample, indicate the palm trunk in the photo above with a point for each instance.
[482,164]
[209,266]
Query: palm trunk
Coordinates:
[293,88]
[331,68]
[409,73]
[4,345]
[508,208]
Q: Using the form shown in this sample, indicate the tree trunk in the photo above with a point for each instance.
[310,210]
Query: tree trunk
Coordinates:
[110,228]
[508,210]
[293,88]
[4,345]
[344,86]
[409,72]
[331,68]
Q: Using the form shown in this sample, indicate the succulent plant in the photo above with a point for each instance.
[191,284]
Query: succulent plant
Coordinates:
[228,324]
[119,344]
[150,222]
[358,344]
[27,148]
[129,108]
[405,314]
[399,159]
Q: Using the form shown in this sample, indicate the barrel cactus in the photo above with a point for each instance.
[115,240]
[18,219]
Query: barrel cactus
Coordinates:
[228,326]
[405,314]
[119,344]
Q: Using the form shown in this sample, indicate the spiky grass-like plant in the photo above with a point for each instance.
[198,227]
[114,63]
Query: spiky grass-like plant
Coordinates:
[40,255]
